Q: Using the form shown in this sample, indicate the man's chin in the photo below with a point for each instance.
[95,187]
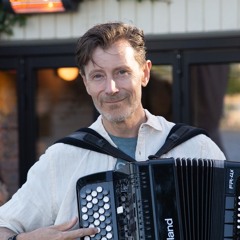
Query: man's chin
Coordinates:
[115,116]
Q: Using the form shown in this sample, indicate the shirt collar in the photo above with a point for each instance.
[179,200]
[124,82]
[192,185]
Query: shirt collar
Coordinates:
[98,126]
[152,122]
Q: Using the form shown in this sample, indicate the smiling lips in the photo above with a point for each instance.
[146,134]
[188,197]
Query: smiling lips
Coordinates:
[114,99]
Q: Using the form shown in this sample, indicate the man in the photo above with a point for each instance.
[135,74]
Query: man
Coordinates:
[111,59]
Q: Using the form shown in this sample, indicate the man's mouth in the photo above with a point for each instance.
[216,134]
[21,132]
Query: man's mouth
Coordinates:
[112,101]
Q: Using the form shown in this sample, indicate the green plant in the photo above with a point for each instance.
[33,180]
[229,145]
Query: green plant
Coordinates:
[8,20]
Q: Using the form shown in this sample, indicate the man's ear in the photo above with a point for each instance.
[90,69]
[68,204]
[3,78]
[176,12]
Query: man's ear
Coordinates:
[146,70]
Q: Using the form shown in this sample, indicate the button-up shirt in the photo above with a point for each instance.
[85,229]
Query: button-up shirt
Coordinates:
[49,195]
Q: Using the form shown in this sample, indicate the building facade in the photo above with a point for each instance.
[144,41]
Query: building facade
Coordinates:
[153,16]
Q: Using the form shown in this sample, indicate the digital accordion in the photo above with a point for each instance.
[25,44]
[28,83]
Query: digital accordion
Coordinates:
[163,199]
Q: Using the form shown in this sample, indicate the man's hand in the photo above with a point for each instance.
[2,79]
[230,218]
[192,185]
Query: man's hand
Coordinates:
[58,232]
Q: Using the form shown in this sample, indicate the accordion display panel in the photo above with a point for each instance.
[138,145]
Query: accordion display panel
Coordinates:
[185,199]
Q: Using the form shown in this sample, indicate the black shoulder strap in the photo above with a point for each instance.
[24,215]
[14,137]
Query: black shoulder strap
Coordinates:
[88,138]
[178,134]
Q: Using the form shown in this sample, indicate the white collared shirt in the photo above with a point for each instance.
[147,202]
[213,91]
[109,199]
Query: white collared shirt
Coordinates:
[49,195]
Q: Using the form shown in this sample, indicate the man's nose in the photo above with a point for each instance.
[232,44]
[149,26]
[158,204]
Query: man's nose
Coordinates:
[111,86]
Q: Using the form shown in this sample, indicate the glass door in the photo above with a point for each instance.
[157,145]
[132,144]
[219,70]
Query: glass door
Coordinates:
[214,97]
[9,149]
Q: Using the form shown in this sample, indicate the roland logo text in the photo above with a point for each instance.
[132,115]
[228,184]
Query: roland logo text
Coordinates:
[170,230]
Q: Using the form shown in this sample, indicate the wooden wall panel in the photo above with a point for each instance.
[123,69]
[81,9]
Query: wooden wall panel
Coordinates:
[79,20]
[144,16]
[63,26]
[194,16]
[178,16]
[47,26]
[18,33]
[160,18]
[212,15]
[127,11]
[110,10]
[229,14]
[95,13]
[33,29]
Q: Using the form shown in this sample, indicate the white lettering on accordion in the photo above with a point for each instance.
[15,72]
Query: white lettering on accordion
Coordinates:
[170,230]
[231,175]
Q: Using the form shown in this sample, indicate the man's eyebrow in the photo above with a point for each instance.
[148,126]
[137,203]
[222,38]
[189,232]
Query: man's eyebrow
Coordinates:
[121,67]
[95,70]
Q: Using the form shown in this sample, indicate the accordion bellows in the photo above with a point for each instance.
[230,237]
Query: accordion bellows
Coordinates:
[182,199]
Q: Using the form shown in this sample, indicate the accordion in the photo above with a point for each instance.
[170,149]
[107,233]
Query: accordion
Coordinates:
[163,199]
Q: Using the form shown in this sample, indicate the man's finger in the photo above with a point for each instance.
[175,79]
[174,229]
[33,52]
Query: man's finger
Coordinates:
[80,233]
[67,225]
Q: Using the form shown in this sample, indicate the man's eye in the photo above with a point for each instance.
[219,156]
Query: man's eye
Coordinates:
[122,72]
[97,77]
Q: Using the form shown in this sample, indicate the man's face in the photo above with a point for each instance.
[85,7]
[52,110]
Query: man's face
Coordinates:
[114,80]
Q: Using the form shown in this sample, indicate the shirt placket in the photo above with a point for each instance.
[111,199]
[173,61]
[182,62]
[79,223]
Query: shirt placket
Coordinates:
[141,145]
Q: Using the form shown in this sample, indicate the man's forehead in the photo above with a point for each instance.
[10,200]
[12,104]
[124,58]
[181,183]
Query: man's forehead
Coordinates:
[120,52]
[118,48]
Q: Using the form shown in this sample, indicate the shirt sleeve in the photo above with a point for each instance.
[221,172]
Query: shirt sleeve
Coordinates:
[24,212]
[210,150]
[197,147]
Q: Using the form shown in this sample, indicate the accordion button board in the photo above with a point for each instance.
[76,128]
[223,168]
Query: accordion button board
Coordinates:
[182,199]
[96,210]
